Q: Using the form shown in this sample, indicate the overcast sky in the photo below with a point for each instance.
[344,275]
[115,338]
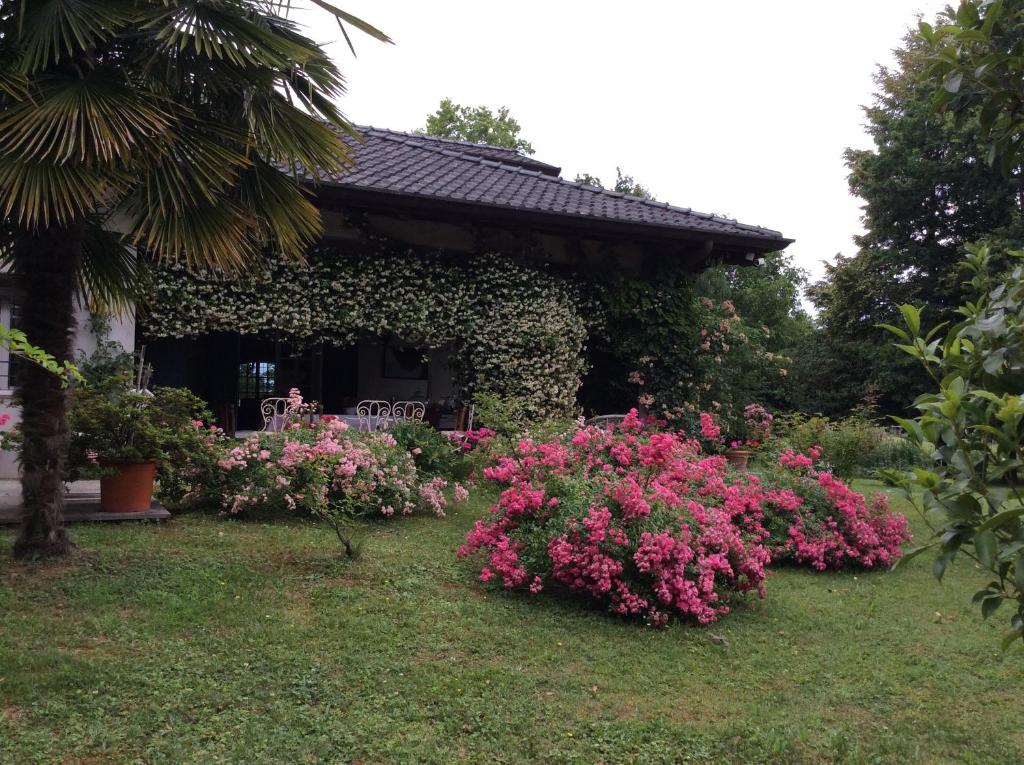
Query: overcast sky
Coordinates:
[741,108]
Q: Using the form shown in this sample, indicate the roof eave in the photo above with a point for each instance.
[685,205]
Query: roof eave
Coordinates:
[423,203]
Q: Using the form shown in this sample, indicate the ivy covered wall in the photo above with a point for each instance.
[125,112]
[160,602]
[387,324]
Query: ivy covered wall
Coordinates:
[519,332]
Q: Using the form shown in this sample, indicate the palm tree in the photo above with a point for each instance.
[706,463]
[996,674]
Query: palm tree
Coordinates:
[174,128]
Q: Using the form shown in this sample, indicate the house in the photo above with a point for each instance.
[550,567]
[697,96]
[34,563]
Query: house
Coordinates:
[425,199]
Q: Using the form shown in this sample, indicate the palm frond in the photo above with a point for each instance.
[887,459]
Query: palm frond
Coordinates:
[93,119]
[58,29]
[112,274]
[219,234]
[287,220]
[344,17]
[225,34]
[42,193]
[294,139]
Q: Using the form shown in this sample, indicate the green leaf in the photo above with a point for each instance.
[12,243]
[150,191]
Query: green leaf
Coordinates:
[912,316]
[953,81]
[909,556]
[940,563]
[896,331]
[986,545]
[998,520]
[990,605]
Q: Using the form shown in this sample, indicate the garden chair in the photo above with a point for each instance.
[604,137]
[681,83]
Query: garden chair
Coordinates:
[604,420]
[463,425]
[373,414]
[275,412]
[408,410]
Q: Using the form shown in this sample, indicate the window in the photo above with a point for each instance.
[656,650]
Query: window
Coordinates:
[256,379]
[8,318]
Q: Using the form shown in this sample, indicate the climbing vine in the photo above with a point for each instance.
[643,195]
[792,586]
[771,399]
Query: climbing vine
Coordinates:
[518,332]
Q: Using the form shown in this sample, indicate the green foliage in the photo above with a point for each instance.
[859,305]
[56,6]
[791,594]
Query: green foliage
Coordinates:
[109,358]
[431,450]
[112,422]
[18,345]
[972,427]
[517,332]
[624,184]
[767,298]
[977,55]
[477,124]
[928,190]
[161,140]
[851,447]
[680,345]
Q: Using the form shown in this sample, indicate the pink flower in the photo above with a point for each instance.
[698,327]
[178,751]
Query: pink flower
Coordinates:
[708,428]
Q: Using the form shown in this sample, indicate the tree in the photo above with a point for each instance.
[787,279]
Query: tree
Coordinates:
[624,184]
[928,190]
[476,124]
[189,127]
[767,297]
[977,55]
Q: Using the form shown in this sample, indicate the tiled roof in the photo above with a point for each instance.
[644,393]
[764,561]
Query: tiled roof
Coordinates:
[459,172]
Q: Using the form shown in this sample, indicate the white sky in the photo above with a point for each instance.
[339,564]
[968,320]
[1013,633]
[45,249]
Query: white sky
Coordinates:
[741,108]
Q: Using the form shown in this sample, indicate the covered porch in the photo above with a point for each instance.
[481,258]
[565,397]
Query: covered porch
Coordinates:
[234,373]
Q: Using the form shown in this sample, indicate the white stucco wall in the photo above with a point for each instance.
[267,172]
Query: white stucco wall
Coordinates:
[122,330]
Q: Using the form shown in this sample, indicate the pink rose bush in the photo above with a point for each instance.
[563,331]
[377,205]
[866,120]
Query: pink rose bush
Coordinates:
[633,519]
[641,522]
[817,520]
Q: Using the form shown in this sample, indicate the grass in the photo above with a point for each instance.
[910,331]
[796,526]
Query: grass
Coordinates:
[209,640]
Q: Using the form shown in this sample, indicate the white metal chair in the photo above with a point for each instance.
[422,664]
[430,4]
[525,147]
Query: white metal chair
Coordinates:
[408,410]
[605,420]
[373,414]
[275,412]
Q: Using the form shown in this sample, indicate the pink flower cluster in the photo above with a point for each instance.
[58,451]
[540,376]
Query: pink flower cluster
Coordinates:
[472,439]
[630,517]
[827,524]
[639,521]
[324,468]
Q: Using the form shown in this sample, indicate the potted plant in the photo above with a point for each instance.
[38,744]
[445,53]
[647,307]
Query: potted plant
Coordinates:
[754,430]
[122,435]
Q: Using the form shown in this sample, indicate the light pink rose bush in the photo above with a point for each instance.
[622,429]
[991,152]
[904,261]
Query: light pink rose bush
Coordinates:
[326,468]
[644,524]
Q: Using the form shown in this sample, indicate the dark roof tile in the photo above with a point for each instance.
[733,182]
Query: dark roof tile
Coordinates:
[424,166]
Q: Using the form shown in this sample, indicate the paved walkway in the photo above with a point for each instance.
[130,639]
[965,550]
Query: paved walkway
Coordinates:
[10,491]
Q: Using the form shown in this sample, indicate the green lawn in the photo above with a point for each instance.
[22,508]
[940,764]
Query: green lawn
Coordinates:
[208,640]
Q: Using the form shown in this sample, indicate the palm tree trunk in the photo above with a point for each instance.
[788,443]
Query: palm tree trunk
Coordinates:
[46,265]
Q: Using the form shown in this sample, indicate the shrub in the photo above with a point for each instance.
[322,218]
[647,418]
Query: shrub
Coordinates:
[431,450]
[112,422]
[972,429]
[814,518]
[636,521]
[848,446]
[642,523]
[897,453]
[306,469]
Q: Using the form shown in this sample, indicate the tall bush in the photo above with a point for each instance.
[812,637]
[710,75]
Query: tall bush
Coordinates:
[972,428]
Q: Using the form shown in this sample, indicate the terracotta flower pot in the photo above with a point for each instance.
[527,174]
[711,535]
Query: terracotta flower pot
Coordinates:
[130,489]
[738,458]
